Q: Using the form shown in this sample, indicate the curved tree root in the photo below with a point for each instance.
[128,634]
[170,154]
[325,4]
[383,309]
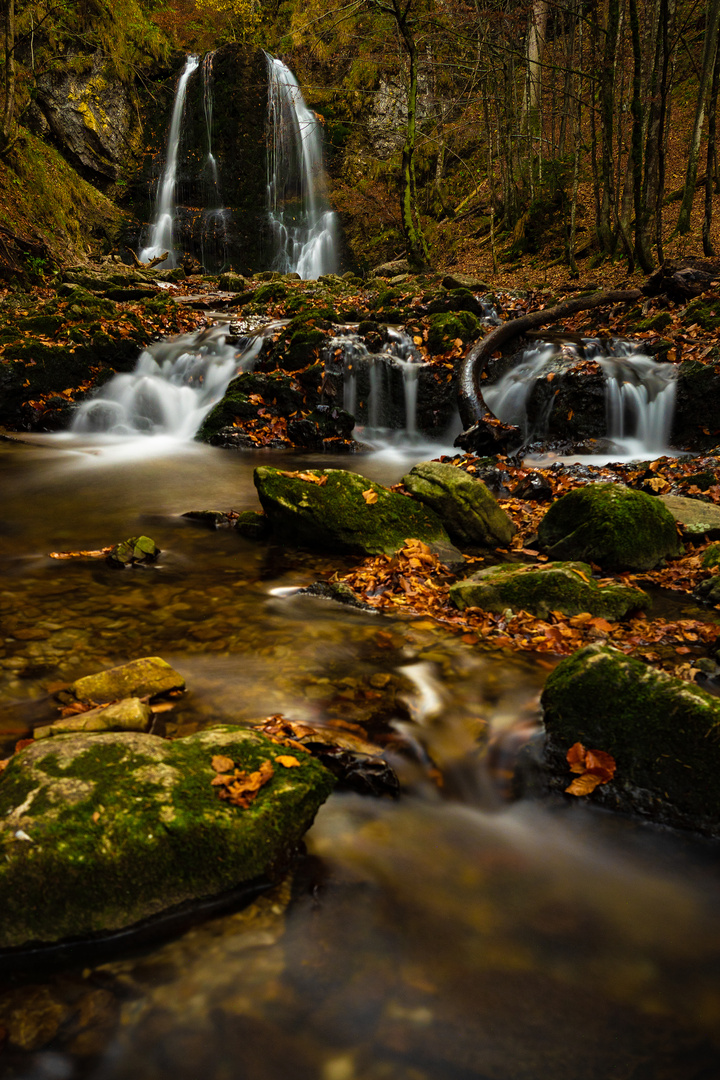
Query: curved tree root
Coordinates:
[470,401]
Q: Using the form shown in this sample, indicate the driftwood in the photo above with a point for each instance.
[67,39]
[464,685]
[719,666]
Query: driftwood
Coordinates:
[148,265]
[470,401]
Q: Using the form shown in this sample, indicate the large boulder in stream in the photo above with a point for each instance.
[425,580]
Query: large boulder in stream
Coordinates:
[342,511]
[98,832]
[610,525]
[663,733]
[567,587]
[470,513]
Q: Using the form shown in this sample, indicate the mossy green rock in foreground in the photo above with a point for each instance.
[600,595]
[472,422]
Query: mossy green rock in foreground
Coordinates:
[468,510]
[610,525]
[124,826]
[566,587]
[344,512]
[663,733]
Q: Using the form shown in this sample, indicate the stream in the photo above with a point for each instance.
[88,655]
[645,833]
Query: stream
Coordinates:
[448,935]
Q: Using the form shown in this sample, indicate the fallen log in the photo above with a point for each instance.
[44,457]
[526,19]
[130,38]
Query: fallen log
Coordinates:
[148,265]
[470,368]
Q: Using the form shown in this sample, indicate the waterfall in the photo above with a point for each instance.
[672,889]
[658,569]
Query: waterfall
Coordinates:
[161,230]
[302,226]
[214,234]
[174,385]
[639,392]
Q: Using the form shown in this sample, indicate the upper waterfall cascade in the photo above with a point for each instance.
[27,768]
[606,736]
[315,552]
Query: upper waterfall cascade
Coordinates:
[161,230]
[302,225]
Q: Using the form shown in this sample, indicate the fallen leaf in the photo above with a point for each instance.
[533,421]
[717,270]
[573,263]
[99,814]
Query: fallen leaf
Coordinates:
[287,761]
[595,767]
[222,764]
[370,496]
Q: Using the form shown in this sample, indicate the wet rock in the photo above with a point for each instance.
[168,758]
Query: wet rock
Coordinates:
[138,549]
[610,525]
[146,677]
[211,519]
[126,826]
[325,422]
[392,269]
[469,512]
[696,406]
[130,714]
[445,329]
[697,518]
[31,1016]
[339,592]
[711,556]
[490,436]
[343,511]
[245,396]
[252,525]
[662,732]
[566,587]
[464,281]
[233,283]
[534,488]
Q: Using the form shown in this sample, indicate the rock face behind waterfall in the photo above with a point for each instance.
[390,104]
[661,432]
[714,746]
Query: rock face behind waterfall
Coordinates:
[238,84]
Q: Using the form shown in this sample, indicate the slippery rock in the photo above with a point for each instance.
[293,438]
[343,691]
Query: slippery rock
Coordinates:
[124,826]
[610,525]
[146,677]
[332,508]
[566,587]
[663,733]
[466,507]
[131,714]
[696,517]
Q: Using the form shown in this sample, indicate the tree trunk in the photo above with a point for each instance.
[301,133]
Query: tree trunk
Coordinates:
[709,50]
[9,107]
[708,248]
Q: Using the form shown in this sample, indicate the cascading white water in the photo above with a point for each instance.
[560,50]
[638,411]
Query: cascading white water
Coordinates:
[174,385]
[377,409]
[161,230]
[639,392]
[302,225]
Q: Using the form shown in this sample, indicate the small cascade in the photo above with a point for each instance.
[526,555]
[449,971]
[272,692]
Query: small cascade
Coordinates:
[639,392]
[214,232]
[174,385]
[302,225]
[379,389]
[161,230]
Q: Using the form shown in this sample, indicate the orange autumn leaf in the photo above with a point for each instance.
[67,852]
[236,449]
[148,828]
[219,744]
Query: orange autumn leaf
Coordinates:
[241,788]
[222,764]
[594,766]
[370,496]
[287,760]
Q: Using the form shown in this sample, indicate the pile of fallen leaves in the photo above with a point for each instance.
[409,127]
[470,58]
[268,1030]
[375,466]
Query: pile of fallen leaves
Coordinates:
[239,787]
[593,768]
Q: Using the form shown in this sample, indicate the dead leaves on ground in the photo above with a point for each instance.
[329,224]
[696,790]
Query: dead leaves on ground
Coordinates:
[239,787]
[593,768]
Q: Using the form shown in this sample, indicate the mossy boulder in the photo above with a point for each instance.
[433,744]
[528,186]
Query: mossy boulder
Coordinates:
[124,826]
[298,344]
[130,714]
[136,549]
[245,395]
[567,587]
[343,511]
[663,733]
[470,513]
[148,676]
[711,556]
[233,283]
[446,328]
[610,525]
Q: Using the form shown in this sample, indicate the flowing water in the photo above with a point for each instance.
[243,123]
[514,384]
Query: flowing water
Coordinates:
[161,231]
[302,225]
[639,394]
[445,936]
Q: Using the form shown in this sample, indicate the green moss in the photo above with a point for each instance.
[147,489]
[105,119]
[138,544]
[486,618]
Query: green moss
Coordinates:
[702,312]
[663,733]
[275,389]
[273,290]
[336,514]
[127,825]
[565,587]
[711,556]
[655,322]
[610,525]
[446,328]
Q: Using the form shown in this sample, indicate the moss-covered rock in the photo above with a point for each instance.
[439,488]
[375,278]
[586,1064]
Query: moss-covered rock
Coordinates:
[233,283]
[246,394]
[446,328]
[663,733]
[711,556]
[610,525]
[146,677]
[123,826]
[136,549]
[566,587]
[468,510]
[343,511]
[130,714]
